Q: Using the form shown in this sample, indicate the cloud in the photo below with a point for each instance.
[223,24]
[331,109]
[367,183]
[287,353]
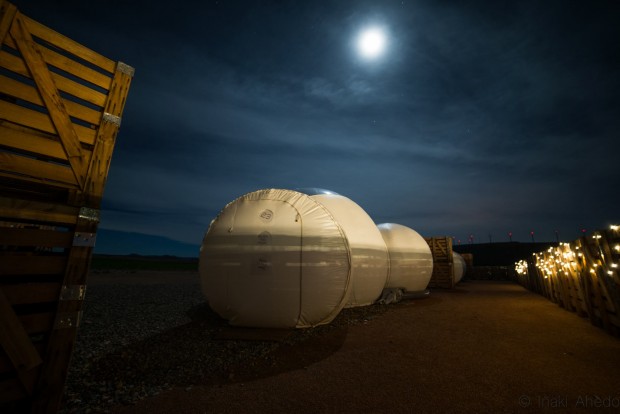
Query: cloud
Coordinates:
[481,116]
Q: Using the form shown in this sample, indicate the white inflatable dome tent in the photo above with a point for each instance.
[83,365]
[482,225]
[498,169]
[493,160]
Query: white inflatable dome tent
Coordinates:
[411,260]
[459,267]
[282,259]
[369,255]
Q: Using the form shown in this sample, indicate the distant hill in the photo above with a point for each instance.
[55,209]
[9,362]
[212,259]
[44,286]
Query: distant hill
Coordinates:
[114,242]
[501,254]
[138,262]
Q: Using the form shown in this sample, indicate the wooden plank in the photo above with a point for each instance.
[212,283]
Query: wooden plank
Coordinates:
[6,365]
[38,144]
[32,265]
[106,137]
[53,102]
[34,119]
[34,168]
[14,338]
[27,179]
[76,69]
[564,291]
[443,267]
[28,93]
[68,65]
[52,213]
[30,293]
[35,237]
[575,279]
[611,282]
[27,377]
[572,293]
[27,117]
[7,13]
[69,45]
[11,390]
[441,248]
[599,303]
[38,322]
[49,389]
[17,65]
[443,275]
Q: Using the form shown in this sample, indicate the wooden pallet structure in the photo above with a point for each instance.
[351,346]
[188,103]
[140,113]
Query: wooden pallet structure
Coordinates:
[582,276]
[60,110]
[443,262]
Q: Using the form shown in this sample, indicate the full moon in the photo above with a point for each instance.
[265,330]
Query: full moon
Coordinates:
[371,43]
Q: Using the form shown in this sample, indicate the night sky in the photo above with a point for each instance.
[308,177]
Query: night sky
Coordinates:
[480,118]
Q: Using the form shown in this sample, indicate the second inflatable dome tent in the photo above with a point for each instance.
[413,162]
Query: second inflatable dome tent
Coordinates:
[282,259]
[369,254]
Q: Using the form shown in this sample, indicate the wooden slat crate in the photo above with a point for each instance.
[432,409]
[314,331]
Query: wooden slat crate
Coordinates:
[60,111]
[443,265]
[582,276]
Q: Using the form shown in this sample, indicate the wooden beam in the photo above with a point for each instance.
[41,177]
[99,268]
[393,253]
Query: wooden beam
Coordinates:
[11,265]
[29,293]
[17,65]
[7,13]
[38,322]
[11,390]
[16,343]
[6,366]
[99,165]
[71,46]
[34,168]
[49,94]
[35,237]
[16,89]
[42,144]
[49,213]
[68,65]
[37,120]
[49,389]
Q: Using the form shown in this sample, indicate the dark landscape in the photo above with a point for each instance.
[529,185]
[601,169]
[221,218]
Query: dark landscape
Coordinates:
[149,343]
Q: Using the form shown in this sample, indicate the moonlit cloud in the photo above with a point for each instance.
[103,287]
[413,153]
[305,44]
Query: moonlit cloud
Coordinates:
[482,118]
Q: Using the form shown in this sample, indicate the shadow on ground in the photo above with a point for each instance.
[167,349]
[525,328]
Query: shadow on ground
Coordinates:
[198,353]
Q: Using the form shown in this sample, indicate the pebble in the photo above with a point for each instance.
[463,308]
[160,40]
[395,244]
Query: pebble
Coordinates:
[141,340]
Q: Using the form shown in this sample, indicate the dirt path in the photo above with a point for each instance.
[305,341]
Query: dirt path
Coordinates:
[486,347]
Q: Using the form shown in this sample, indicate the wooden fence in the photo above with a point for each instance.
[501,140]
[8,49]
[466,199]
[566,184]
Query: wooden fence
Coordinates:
[60,111]
[581,276]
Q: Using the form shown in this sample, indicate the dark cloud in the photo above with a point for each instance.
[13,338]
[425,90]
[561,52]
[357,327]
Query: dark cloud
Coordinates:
[483,117]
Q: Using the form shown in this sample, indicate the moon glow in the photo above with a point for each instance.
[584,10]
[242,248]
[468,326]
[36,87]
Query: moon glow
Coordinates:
[371,43]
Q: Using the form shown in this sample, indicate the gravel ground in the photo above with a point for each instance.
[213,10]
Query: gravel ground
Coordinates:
[483,347]
[149,344]
[147,332]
